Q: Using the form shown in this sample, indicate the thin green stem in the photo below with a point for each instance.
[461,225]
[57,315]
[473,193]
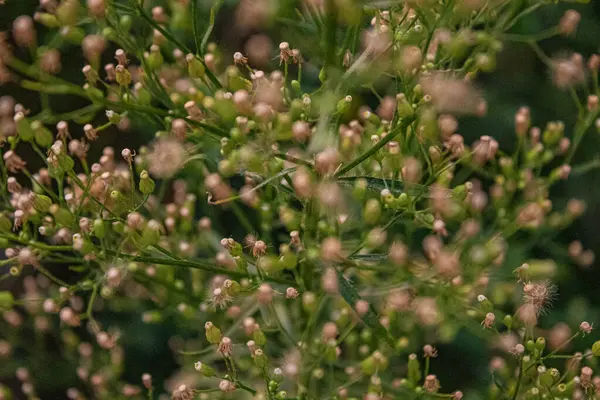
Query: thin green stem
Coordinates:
[169,36]
[196,32]
[519,379]
[580,130]
[44,188]
[202,265]
[367,154]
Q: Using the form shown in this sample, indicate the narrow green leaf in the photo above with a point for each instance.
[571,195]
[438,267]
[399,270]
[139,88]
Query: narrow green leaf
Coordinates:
[369,257]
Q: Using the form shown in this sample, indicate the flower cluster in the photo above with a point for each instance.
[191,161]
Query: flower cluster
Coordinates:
[312,244]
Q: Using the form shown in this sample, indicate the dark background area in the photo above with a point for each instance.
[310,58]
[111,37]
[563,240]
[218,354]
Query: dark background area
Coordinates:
[520,79]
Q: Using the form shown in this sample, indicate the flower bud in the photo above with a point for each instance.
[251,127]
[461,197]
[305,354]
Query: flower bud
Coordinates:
[414,369]
[23,127]
[403,107]
[99,228]
[123,76]
[596,348]
[42,135]
[5,224]
[47,19]
[67,12]
[146,184]
[195,67]
[485,304]
[540,344]
[372,212]
[260,359]
[259,337]
[113,117]
[41,203]
[508,321]
[204,369]
[344,104]
[213,334]
[7,300]
[154,58]
[151,233]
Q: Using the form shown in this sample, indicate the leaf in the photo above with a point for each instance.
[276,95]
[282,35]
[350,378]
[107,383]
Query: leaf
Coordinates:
[369,257]
[370,319]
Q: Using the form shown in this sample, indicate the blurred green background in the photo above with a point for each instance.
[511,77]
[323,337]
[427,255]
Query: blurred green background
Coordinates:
[520,79]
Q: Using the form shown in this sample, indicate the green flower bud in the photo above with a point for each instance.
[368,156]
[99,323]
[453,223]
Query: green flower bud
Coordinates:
[237,82]
[154,58]
[195,67]
[23,127]
[414,369]
[296,86]
[67,12]
[125,22]
[485,62]
[278,375]
[118,227]
[344,104]
[62,216]
[259,337]
[73,34]
[5,224]
[113,117]
[241,263]
[322,75]
[82,245]
[99,229]
[532,394]
[402,200]
[372,118]
[7,300]
[508,321]
[260,359]
[213,334]
[289,260]
[596,348]
[146,184]
[404,108]
[152,317]
[530,345]
[309,301]
[281,395]
[232,287]
[204,369]
[540,344]
[109,33]
[368,366]
[372,211]
[41,203]
[296,109]
[42,135]
[545,377]
[360,189]
[48,20]
[123,76]
[485,304]
[330,351]
[150,234]
[65,163]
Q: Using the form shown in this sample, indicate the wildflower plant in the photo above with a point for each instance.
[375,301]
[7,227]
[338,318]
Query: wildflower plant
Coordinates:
[306,214]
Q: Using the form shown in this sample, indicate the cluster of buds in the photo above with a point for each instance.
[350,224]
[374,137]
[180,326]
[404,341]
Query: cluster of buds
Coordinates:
[329,228]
